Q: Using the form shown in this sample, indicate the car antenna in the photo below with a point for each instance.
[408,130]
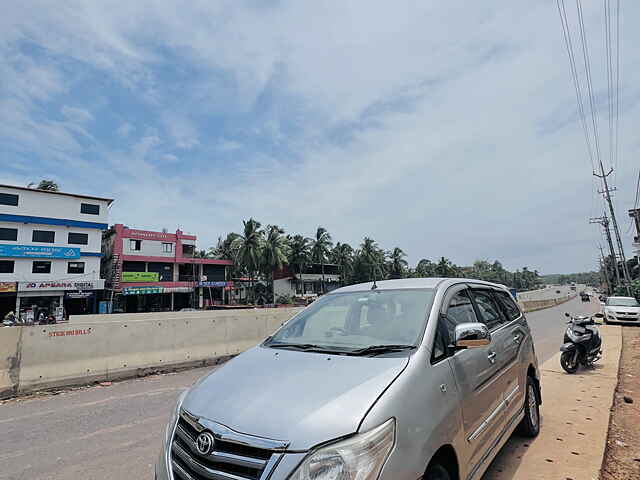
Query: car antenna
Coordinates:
[375,285]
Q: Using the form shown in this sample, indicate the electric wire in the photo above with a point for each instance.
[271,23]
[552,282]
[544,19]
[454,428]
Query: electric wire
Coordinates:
[574,76]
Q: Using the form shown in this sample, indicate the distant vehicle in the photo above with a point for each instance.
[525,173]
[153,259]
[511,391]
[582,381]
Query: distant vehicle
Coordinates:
[585,297]
[621,309]
[399,380]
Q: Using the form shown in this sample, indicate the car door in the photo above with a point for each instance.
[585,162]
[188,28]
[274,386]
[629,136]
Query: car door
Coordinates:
[516,336]
[477,375]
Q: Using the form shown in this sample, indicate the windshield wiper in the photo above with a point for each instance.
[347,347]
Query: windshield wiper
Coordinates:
[305,347]
[379,349]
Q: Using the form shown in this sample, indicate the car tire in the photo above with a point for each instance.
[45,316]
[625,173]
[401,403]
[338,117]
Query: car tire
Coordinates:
[436,472]
[530,424]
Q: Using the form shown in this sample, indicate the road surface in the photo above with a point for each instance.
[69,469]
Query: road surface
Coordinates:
[113,432]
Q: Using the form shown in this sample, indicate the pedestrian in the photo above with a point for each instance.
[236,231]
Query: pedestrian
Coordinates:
[41,318]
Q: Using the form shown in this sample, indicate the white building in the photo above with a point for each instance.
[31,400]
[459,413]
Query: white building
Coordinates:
[50,250]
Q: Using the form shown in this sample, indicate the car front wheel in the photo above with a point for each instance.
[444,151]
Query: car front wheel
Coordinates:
[436,472]
[530,424]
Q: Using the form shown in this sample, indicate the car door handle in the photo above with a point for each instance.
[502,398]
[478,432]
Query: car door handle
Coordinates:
[492,357]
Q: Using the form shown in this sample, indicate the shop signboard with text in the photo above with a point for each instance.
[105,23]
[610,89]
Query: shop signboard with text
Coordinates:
[61,285]
[7,287]
[37,251]
[140,276]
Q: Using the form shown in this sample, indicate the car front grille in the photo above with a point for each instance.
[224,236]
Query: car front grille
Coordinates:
[233,456]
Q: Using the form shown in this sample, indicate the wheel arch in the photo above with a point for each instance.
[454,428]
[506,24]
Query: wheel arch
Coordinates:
[533,373]
[446,456]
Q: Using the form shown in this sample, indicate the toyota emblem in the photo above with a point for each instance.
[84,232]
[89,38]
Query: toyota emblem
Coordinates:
[204,443]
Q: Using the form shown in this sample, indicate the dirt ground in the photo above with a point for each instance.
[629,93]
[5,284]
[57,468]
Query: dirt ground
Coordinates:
[622,455]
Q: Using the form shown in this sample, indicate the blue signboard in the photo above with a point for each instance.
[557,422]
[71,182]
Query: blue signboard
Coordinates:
[36,251]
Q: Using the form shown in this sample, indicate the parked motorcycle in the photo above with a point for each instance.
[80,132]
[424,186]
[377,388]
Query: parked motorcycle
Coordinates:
[582,343]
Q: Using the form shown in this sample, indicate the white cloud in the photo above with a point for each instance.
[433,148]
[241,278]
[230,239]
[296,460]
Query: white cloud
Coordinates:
[125,129]
[431,126]
[76,115]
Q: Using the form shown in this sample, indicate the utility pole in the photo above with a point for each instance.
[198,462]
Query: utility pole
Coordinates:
[607,195]
[603,269]
[604,221]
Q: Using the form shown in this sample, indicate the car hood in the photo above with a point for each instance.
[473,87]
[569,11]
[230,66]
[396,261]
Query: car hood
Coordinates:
[613,308]
[303,398]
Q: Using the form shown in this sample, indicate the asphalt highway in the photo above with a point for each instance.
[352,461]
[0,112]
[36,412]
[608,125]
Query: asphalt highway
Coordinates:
[115,431]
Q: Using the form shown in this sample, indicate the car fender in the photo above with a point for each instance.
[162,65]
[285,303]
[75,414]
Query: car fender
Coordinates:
[568,347]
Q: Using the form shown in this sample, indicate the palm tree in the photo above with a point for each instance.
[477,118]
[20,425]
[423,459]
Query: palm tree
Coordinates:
[445,268]
[299,255]
[342,255]
[425,268]
[397,263]
[372,257]
[320,247]
[48,185]
[249,250]
[274,253]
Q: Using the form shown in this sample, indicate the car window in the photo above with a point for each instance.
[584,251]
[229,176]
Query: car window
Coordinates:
[488,309]
[439,346]
[459,310]
[508,304]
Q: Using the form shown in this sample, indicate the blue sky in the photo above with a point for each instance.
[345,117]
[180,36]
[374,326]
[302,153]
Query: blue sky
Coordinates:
[448,129]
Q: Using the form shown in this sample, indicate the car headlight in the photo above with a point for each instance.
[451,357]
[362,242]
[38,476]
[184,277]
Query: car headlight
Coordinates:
[174,416]
[360,457]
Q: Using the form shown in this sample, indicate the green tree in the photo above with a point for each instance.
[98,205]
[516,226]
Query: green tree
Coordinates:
[370,261]
[274,253]
[299,256]
[48,185]
[342,255]
[249,251]
[397,263]
[445,268]
[320,249]
[425,268]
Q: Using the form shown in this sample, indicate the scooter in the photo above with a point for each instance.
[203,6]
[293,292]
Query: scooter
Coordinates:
[582,343]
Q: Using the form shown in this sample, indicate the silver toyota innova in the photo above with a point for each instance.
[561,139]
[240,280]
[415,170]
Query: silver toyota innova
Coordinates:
[399,380]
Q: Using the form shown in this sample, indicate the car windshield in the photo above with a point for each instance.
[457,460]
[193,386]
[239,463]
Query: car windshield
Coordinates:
[622,302]
[378,321]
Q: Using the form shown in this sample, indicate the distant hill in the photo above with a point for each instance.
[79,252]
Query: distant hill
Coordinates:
[588,278]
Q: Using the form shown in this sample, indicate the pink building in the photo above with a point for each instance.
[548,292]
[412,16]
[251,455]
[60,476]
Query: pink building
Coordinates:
[159,271]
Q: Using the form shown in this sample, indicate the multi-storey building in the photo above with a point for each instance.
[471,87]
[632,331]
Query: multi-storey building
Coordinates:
[50,251]
[158,271]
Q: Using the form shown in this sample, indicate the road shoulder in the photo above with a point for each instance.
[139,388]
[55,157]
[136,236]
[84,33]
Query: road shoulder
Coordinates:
[622,456]
[575,420]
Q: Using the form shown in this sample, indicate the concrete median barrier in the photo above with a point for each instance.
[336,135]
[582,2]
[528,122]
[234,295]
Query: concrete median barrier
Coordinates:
[9,360]
[40,357]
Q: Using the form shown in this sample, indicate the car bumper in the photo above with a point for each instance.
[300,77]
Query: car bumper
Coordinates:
[623,318]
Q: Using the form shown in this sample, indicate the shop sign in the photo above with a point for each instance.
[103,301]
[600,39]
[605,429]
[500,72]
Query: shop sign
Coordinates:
[79,294]
[142,290]
[178,289]
[61,285]
[8,287]
[35,251]
[140,276]
[215,284]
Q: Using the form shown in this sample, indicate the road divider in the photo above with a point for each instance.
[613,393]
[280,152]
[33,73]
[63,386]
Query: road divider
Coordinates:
[40,357]
[533,305]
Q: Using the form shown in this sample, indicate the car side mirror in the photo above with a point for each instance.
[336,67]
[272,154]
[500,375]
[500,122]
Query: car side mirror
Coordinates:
[471,335]
[599,315]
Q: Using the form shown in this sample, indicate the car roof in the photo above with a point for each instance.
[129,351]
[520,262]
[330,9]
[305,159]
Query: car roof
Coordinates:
[413,283]
[626,298]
